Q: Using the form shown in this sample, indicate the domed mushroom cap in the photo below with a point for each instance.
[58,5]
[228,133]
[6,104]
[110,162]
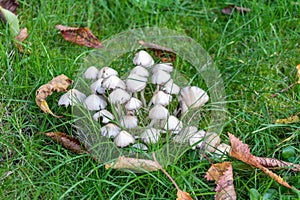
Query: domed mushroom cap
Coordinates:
[95,102]
[133,104]
[113,82]
[91,73]
[167,67]
[150,136]
[143,59]
[222,150]
[136,83]
[158,112]
[141,71]
[171,88]
[140,146]
[185,134]
[211,142]
[106,72]
[193,96]
[196,140]
[161,98]
[71,97]
[123,139]
[129,121]
[172,124]
[118,96]
[110,130]
[97,88]
[160,77]
[104,115]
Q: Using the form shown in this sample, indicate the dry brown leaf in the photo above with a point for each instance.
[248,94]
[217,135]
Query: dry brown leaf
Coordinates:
[222,174]
[274,163]
[181,195]
[241,151]
[81,36]
[134,164]
[228,10]
[57,84]
[289,120]
[67,141]
[298,73]
[10,5]
[20,38]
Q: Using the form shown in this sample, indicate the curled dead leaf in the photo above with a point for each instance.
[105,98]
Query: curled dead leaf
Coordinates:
[81,36]
[20,38]
[275,163]
[181,195]
[57,84]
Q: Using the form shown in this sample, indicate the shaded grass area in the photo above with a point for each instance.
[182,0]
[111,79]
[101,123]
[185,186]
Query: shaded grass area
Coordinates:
[256,54]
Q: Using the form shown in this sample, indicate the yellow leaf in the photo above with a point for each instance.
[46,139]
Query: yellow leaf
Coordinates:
[298,73]
[290,120]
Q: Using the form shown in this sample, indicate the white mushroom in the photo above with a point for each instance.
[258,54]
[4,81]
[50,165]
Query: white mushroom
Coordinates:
[97,88]
[140,146]
[123,139]
[91,73]
[118,96]
[160,77]
[167,67]
[196,140]
[133,104]
[129,121]
[104,115]
[113,82]
[222,150]
[185,134]
[110,130]
[143,59]
[141,71]
[106,72]
[171,88]
[158,112]
[172,124]
[136,83]
[150,136]
[160,98]
[71,97]
[212,140]
[95,102]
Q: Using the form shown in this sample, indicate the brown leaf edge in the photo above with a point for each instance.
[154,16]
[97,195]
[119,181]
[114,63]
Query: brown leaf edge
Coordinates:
[181,195]
[20,38]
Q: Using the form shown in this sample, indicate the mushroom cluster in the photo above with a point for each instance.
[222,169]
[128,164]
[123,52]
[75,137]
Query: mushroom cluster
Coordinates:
[144,108]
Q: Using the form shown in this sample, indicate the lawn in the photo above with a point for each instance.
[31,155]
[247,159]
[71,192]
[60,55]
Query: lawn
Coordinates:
[256,54]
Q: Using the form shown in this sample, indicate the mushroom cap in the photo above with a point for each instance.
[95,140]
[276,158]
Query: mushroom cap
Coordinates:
[113,82]
[197,139]
[140,146]
[95,102]
[185,134]
[193,96]
[158,112]
[133,104]
[91,72]
[212,141]
[143,59]
[161,98]
[118,96]
[172,124]
[110,130]
[97,88]
[136,83]
[124,139]
[222,149]
[105,115]
[71,97]
[160,77]
[150,135]
[106,72]
[167,67]
[141,71]
[129,121]
[171,88]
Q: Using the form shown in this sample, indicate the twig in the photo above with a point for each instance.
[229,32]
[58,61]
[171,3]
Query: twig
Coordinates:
[155,46]
[283,90]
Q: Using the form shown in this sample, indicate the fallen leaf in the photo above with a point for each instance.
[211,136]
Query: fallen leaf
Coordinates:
[20,38]
[274,163]
[298,73]
[222,174]
[81,36]
[181,195]
[241,151]
[290,120]
[228,10]
[67,141]
[57,84]
[133,164]
[12,21]
[10,5]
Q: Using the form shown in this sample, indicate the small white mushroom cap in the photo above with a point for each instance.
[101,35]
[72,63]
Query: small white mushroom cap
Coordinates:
[185,134]
[96,87]
[105,115]
[212,140]
[160,77]
[150,136]
[91,73]
[158,112]
[140,146]
[193,96]
[133,104]
[129,121]
[136,83]
[123,139]
[71,97]
[106,72]
[143,59]
[141,71]
[161,98]
[113,82]
[110,130]
[196,140]
[95,102]
[222,150]
[171,88]
[118,96]
[172,124]
[167,67]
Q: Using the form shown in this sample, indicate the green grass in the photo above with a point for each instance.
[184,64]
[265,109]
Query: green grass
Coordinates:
[256,54]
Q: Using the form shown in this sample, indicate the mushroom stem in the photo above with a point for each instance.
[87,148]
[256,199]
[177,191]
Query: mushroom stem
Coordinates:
[153,122]
[143,98]
[119,110]
[135,95]
[157,89]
